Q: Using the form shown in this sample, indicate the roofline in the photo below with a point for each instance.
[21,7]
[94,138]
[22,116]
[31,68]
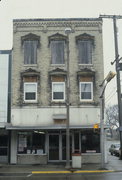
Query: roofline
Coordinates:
[58,19]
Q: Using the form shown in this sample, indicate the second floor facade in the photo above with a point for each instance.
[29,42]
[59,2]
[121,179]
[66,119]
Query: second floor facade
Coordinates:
[41,49]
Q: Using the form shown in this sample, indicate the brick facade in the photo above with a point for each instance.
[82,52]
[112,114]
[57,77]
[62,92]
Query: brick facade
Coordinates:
[45,28]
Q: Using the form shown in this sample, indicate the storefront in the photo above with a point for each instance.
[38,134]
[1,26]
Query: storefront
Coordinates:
[43,146]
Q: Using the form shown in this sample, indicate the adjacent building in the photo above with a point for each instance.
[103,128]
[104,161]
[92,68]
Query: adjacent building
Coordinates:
[41,49]
[5,109]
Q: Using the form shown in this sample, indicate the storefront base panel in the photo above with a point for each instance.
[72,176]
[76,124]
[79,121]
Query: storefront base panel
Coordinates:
[31,159]
[3,159]
[91,158]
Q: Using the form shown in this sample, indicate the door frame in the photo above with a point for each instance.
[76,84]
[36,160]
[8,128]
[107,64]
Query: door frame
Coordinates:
[60,134]
[57,134]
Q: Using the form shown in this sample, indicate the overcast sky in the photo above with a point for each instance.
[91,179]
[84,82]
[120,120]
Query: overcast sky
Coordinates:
[14,9]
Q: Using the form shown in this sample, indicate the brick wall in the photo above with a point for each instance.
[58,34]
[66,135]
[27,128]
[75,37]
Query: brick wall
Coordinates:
[45,29]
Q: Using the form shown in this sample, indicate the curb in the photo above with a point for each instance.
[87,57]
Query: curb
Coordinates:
[73,172]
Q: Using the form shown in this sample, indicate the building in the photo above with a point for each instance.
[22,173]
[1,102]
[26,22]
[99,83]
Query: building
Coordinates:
[39,76]
[5,109]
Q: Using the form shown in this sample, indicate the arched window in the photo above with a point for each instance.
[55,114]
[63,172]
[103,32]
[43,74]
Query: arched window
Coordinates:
[30,44]
[85,48]
[57,42]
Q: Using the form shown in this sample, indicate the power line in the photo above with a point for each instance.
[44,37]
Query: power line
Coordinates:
[112,91]
[110,97]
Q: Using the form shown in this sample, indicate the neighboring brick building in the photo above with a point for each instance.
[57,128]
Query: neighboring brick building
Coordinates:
[39,75]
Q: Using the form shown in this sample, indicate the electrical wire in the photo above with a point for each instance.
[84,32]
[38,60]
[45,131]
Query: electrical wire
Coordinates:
[110,97]
[112,91]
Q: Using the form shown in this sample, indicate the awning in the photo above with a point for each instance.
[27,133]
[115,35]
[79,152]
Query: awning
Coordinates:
[54,127]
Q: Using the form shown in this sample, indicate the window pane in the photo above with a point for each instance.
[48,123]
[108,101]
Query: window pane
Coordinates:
[30,87]
[58,90]
[57,52]
[90,142]
[29,142]
[58,87]
[30,91]
[58,95]
[86,90]
[85,52]
[30,52]
[86,95]
[30,96]
[86,87]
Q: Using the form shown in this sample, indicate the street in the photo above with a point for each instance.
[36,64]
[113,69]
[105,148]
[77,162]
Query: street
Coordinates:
[90,176]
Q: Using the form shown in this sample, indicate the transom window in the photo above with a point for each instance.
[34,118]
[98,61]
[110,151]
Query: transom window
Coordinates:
[85,51]
[58,91]
[57,52]
[30,51]
[30,92]
[86,91]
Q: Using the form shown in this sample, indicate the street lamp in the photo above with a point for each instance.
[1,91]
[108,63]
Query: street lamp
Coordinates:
[67,32]
[103,87]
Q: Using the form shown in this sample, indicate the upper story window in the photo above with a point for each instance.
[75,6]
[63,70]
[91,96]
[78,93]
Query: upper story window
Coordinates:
[86,91]
[85,48]
[29,86]
[58,91]
[30,44]
[30,92]
[85,52]
[57,52]
[30,52]
[57,44]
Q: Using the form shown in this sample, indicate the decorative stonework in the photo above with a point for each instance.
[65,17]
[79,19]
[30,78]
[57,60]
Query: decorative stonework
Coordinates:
[58,23]
[45,71]
[30,36]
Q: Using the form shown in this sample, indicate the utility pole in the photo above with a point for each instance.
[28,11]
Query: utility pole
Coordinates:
[103,85]
[117,66]
[67,32]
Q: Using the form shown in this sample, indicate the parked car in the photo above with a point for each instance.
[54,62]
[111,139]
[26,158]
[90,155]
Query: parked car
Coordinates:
[114,149]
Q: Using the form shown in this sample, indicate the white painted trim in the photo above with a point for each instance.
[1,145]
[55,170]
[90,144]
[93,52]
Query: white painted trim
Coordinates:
[63,83]
[91,91]
[34,83]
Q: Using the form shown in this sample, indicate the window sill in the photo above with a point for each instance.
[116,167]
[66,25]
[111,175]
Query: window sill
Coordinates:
[30,65]
[53,65]
[88,103]
[29,103]
[85,64]
[58,103]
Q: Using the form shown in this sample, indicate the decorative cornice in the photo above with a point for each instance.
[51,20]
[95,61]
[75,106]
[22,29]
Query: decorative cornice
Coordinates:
[58,23]
[30,36]
[30,72]
[84,36]
[57,36]
[57,71]
[86,72]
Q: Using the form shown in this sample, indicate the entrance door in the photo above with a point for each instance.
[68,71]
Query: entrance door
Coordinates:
[53,147]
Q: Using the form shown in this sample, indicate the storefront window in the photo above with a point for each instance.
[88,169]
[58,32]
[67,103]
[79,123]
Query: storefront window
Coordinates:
[31,142]
[90,142]
[3,145]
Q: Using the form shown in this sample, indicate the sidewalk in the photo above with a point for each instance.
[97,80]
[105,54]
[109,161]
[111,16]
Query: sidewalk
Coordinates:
[113,165]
